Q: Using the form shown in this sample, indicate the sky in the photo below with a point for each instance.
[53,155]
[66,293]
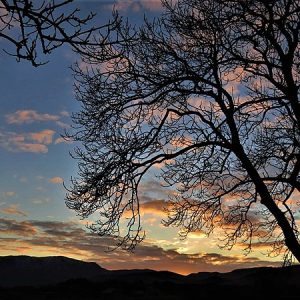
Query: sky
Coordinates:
[36,104]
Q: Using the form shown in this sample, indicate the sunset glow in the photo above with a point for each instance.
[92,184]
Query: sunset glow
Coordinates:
[36,109]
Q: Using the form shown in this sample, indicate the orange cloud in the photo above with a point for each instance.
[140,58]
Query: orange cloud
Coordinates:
[197,235]
[263,247]
[156,207]
[56,180]
[43,137]
[163,163]
[13,209]
[181,141]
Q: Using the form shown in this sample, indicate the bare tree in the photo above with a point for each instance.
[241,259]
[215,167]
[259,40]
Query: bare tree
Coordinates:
[33,27]
[210,89]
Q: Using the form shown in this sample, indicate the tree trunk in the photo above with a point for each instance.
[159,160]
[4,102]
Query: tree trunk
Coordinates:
[291,240]
[289,234]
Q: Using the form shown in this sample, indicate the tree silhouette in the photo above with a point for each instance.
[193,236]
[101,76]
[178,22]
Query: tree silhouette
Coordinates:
[33,27]
[211,91]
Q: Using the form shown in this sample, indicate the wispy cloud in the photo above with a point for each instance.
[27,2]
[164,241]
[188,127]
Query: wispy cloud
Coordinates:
[62,140]
[152,5]
[13,209]
[9,194]
[29,116]
[18,228]
[65,113]
[35,142]
[40,200]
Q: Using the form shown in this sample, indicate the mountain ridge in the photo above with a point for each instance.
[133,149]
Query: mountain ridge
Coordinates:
[26,270]
[59,277]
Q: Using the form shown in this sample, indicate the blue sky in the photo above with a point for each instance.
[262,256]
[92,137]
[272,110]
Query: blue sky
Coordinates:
[36,104]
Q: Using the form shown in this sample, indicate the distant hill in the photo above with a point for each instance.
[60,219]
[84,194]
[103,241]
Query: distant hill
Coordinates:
[35,278]
[35,271]
[259,278]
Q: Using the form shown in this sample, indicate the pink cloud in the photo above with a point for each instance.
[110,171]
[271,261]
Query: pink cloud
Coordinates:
[154,5]
[136,5]
[35,142]
[29,116]
[34,148]
[6,18]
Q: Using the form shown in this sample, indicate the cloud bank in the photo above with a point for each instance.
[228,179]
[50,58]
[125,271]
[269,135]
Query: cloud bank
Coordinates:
[34,237]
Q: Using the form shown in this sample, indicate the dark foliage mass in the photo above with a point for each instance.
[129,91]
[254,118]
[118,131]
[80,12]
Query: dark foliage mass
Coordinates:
[211,91]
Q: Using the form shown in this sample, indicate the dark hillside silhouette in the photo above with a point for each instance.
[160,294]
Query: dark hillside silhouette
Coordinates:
[33,278]
[26,270]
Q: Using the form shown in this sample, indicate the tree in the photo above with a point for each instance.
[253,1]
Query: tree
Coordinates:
[210,89]
[32,27]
